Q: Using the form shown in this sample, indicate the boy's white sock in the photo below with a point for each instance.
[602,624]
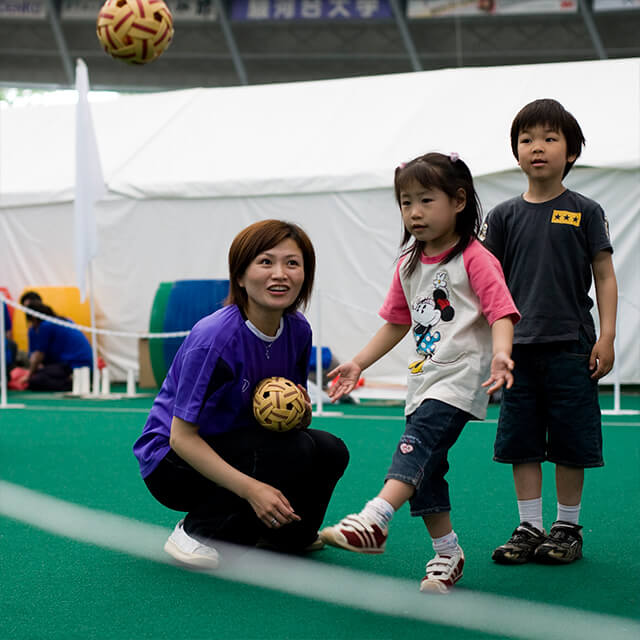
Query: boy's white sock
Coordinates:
[446,545]
[531,511]
[379,510]
[569,513]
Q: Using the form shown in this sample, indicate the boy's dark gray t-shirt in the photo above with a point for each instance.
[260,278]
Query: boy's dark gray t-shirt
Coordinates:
[546,250]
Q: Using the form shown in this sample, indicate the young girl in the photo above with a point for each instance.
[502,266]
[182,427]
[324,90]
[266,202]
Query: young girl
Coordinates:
[201,450]
[450,292]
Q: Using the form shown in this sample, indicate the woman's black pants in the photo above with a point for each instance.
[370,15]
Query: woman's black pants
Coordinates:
[304,464]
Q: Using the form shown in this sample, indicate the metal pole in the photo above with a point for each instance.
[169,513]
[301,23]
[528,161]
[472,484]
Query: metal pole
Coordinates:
[616,388]
[587,16]
[3,362]
[231,43]
[317,330]
[60,41]
[318,356]
[459,58]
[94,347]
[401,22]
[3,356]
[617,411]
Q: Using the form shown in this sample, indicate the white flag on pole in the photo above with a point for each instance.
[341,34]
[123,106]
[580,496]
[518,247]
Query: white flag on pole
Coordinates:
[90,185]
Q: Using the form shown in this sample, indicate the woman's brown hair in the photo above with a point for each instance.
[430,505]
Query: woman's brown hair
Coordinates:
[262,236]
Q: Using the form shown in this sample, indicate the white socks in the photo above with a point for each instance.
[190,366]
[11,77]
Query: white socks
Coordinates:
[569,513]
[531,511]
[380,511]
[446,545]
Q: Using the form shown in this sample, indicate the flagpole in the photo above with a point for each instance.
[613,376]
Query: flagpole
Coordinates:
[90,188]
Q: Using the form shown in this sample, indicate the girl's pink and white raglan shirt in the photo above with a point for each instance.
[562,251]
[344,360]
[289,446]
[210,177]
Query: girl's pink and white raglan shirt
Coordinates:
[450,308]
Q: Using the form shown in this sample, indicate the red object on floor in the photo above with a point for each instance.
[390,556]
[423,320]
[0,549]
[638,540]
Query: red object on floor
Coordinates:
[15,377]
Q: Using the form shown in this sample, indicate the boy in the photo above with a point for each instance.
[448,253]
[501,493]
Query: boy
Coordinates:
[550,241]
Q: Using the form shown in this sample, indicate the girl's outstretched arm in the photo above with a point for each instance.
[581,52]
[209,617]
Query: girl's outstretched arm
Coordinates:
[501,363]
[348,373]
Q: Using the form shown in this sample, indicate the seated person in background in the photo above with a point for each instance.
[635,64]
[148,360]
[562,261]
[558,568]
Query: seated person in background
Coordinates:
[54,351]
[21,358]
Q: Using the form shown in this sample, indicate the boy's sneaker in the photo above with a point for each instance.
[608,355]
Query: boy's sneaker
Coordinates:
[190,552]
[521,545]
[563,545]
[356,533]
[442,573]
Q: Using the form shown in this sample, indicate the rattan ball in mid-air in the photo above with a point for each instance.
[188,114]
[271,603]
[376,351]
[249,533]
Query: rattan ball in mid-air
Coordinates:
[135,31]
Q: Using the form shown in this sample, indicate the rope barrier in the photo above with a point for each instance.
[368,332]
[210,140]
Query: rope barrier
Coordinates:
[181,334]
[79,327]
[133,334]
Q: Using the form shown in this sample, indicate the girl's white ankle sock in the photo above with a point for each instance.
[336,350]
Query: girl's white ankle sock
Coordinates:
[446,545]
[379,510]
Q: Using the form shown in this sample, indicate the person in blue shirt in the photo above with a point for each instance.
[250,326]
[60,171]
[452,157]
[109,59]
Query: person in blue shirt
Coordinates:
[54,351]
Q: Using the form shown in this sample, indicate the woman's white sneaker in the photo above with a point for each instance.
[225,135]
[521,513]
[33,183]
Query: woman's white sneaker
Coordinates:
[190,552]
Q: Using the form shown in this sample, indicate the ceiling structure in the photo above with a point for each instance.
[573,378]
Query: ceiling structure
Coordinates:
[221,43]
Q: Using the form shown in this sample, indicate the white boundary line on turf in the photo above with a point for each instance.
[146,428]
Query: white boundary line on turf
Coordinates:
[103,409]
[305,578]
[86,409]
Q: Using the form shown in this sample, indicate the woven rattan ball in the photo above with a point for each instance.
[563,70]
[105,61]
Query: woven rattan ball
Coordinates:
[278,404]
[135,31]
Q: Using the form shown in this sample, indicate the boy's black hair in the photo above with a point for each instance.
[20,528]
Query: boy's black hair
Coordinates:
[449,174]
[547,111]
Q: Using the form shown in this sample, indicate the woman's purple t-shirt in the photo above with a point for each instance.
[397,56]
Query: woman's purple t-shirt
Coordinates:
[211,380]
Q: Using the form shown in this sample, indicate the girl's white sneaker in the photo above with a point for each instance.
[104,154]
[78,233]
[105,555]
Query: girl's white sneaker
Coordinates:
[442,573]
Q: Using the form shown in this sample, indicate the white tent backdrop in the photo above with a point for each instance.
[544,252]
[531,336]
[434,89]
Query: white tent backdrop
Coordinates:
[187,170]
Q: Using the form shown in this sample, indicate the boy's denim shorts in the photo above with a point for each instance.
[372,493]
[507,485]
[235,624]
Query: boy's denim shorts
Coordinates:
[420,458]
[552,411]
